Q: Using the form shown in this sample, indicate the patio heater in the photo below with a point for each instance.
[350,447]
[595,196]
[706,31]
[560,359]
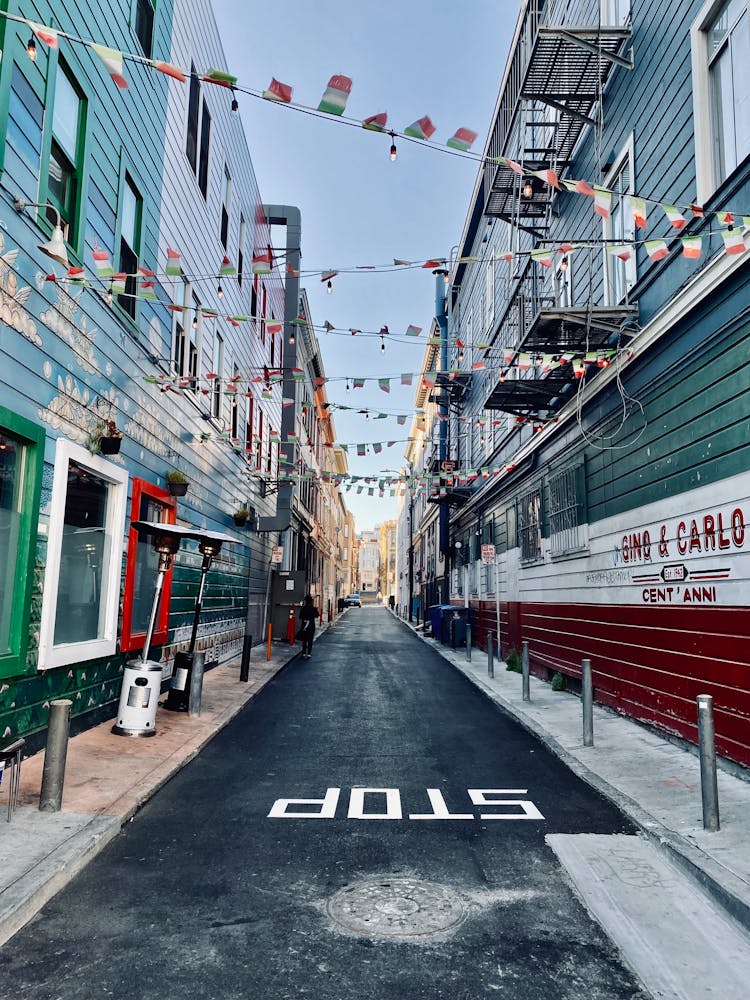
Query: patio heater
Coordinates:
[141,683]
[178,696]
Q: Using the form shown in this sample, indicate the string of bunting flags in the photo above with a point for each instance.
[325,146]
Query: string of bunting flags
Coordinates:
[333,104]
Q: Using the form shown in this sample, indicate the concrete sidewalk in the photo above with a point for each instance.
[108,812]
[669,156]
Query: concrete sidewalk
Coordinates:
[108,778]
[655,782]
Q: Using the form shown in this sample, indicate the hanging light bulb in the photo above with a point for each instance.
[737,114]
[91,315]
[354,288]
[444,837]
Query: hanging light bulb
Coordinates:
[382,346]
[31,48]
[564,264]
[528,190]
[329,286]
[235,103]
[460,356]
[110,293]
[347,385]
[195,321]
[220,292]
[393,150]
[291,337]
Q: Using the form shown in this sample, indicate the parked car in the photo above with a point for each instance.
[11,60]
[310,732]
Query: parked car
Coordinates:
[353,601]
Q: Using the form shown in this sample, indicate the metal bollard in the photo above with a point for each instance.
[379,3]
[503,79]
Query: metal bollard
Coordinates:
[525,671]
[490,655]
[195,695]
[707,750]
[468,642]
[247,648]
[587,698]
[53,774]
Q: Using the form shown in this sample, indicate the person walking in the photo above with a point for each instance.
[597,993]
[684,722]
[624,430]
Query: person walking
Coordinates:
[308,614]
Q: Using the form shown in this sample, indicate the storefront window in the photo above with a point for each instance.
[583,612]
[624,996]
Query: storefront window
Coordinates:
[82,576]
[11,480]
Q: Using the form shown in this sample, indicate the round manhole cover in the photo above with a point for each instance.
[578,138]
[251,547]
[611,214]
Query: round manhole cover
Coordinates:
[396,907]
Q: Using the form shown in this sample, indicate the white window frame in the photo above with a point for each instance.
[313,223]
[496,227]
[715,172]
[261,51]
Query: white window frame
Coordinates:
[625,159]
[50,655]
[615,13]
[705,170]
[489,298]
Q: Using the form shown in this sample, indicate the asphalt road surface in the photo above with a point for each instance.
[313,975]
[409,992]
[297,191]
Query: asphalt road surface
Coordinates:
[414,867]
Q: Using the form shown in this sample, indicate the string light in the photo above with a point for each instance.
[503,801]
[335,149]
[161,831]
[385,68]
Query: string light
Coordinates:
[393,150]
[31,48]
[528,190]
[291,337]
[329,286]
[460,356]
[564,264]
[195,321]
[235,102]
[110,293]
[220,292]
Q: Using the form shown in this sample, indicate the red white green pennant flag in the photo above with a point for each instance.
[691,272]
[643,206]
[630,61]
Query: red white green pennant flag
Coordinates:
[505,162]
[623,251]
[227,269]
[657,249]
[327,275]
[44,34]
[676,218]
[336,95]
[638,208]
[602,202]
[273,328]
[220,78]
[358,383]
[542,256]
[463,139]
[548,176]
[384,384]
[579,187]
[406,378]
[169,70]
[692,247]
[376,123]
[413,331]
[262,262]
[118,282]
[278,92]
[174,268]
[148,291]
[112,60]
[422,128]
[478,366]
[733,242]
[400,263]
[103,264]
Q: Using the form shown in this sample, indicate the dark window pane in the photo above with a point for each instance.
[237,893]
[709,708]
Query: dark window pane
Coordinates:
[144,25]
[205,143]
[191,142]
[128,264]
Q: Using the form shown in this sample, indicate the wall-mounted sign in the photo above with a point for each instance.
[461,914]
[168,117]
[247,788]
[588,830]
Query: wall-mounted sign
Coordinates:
[488,555]
[277,554]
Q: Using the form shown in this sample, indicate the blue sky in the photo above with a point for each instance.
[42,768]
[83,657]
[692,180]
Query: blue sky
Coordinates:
[409,58]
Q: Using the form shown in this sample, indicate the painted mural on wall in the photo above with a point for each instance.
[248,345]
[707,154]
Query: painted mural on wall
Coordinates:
[62,318]
[13,297]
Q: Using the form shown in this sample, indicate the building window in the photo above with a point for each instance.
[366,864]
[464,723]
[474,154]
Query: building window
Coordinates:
[721,91]
[249,424]
[218,366]
[567,512]
[204,150]
[149,503]
[241,250]
[144,25]
[489,297]
[131,216]
[84,554]
[235,410]
[193,120]
[530,525]
[21,464]
[65,167]
[225,207]
[619,228]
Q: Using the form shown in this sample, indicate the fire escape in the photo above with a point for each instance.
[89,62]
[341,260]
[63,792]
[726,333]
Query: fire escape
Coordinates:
[450,390]
[561,64]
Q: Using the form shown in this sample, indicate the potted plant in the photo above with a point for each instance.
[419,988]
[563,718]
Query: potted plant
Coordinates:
[105,438]
[241,516]
[177,483]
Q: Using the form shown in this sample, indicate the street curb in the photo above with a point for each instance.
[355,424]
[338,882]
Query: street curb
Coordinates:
[690,859]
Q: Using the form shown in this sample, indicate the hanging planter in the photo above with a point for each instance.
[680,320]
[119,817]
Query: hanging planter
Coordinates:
[177,483]
[240,517]
[105,438]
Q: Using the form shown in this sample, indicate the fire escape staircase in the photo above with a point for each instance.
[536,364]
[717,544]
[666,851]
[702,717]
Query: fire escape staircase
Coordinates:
[552,91]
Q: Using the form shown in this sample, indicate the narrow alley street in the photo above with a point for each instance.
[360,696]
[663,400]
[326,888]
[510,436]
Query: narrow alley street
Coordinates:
[397,881]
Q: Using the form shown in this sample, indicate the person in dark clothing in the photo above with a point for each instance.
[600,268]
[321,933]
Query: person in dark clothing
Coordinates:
[307,616]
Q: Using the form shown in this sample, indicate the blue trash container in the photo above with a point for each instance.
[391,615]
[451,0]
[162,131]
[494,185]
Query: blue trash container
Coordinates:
[455,617]
[435,613]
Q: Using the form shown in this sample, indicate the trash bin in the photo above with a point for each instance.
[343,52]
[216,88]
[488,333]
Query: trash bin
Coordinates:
[139,699]
[455,618]
[435,613]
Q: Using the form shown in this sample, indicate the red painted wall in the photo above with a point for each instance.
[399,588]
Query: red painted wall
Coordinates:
[649,663]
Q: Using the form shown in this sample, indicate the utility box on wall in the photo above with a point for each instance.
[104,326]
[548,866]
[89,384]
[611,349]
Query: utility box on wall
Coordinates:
[288,590]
